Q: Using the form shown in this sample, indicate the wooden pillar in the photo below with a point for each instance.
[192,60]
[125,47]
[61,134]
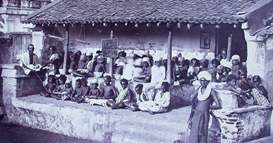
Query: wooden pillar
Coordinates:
[111,59]
[229,47]
[66,48]
[169,57]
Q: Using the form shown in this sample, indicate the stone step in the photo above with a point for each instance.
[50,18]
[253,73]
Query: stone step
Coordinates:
[132,137]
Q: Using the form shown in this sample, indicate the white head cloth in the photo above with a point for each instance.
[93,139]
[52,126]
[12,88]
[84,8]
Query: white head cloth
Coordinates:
[204,74]
[94,80]
[235,57]
[157,57]
[207,76]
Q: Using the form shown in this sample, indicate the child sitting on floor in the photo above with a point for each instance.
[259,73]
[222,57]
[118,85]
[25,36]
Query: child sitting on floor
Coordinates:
[78,91]
[67,94]
[94,92]
[108,93]
[140,95]
[49,87]
[85,90]
[59,88]
[124,99]
[161,102]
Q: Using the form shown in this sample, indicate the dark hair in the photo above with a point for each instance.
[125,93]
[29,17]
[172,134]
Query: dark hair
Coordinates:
[83,81]
[215,61]
[108,77]
[166,85]
[139,86]
[53,47]
[62,78]
[51,76]
[124,80]
[231,77]
[185,63]
[197,63]
[256,78]
[30,45]
[79,81]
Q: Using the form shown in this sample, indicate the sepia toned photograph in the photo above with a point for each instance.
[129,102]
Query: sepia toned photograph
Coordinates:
[136,71]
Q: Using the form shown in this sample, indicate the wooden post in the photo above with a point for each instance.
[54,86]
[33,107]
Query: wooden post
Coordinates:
[66,48]
[111,59]
[169,58]
[229,47]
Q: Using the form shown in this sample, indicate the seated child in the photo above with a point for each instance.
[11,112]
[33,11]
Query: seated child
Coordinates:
[140,95]
[59,88]
[76,96]
[145,76]
[260,94]
[161,102]
[108,93]
[85,91]
[67,94]
[124,99]
[49,87]
[94,92]
[100,67]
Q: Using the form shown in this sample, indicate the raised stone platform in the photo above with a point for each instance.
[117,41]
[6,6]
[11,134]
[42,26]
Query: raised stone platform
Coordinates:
[98,123]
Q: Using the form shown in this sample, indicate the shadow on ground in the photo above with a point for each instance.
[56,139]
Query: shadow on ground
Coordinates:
[10,133]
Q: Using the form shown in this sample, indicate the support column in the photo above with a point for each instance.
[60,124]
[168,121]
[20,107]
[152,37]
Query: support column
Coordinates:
[111,59]
[66,48]
[229,47]
[255,55]
[169,57]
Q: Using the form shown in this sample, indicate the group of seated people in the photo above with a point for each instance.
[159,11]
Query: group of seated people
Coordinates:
[107,95]
[145,70]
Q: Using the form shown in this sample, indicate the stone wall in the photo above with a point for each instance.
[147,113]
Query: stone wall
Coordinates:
[244,124]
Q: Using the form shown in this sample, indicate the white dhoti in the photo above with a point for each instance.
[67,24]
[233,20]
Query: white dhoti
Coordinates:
[151,106]
[101,102]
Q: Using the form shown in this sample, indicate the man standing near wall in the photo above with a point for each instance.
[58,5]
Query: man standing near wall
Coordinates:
[29,61]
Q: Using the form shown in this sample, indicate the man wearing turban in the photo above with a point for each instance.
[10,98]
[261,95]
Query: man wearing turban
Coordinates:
[202,101]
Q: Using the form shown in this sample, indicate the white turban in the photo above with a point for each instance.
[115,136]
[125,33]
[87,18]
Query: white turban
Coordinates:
[204,74]
[68,81]
[157,58]
[94,80]
[235,57]
[89,53]
[145,59]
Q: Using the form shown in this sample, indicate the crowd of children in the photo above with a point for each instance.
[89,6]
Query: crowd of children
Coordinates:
[152,70]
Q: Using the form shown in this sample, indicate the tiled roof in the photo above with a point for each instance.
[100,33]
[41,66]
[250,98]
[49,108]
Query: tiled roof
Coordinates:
[138,11]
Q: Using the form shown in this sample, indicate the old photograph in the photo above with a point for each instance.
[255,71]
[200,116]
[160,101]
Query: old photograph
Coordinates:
[136,71]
